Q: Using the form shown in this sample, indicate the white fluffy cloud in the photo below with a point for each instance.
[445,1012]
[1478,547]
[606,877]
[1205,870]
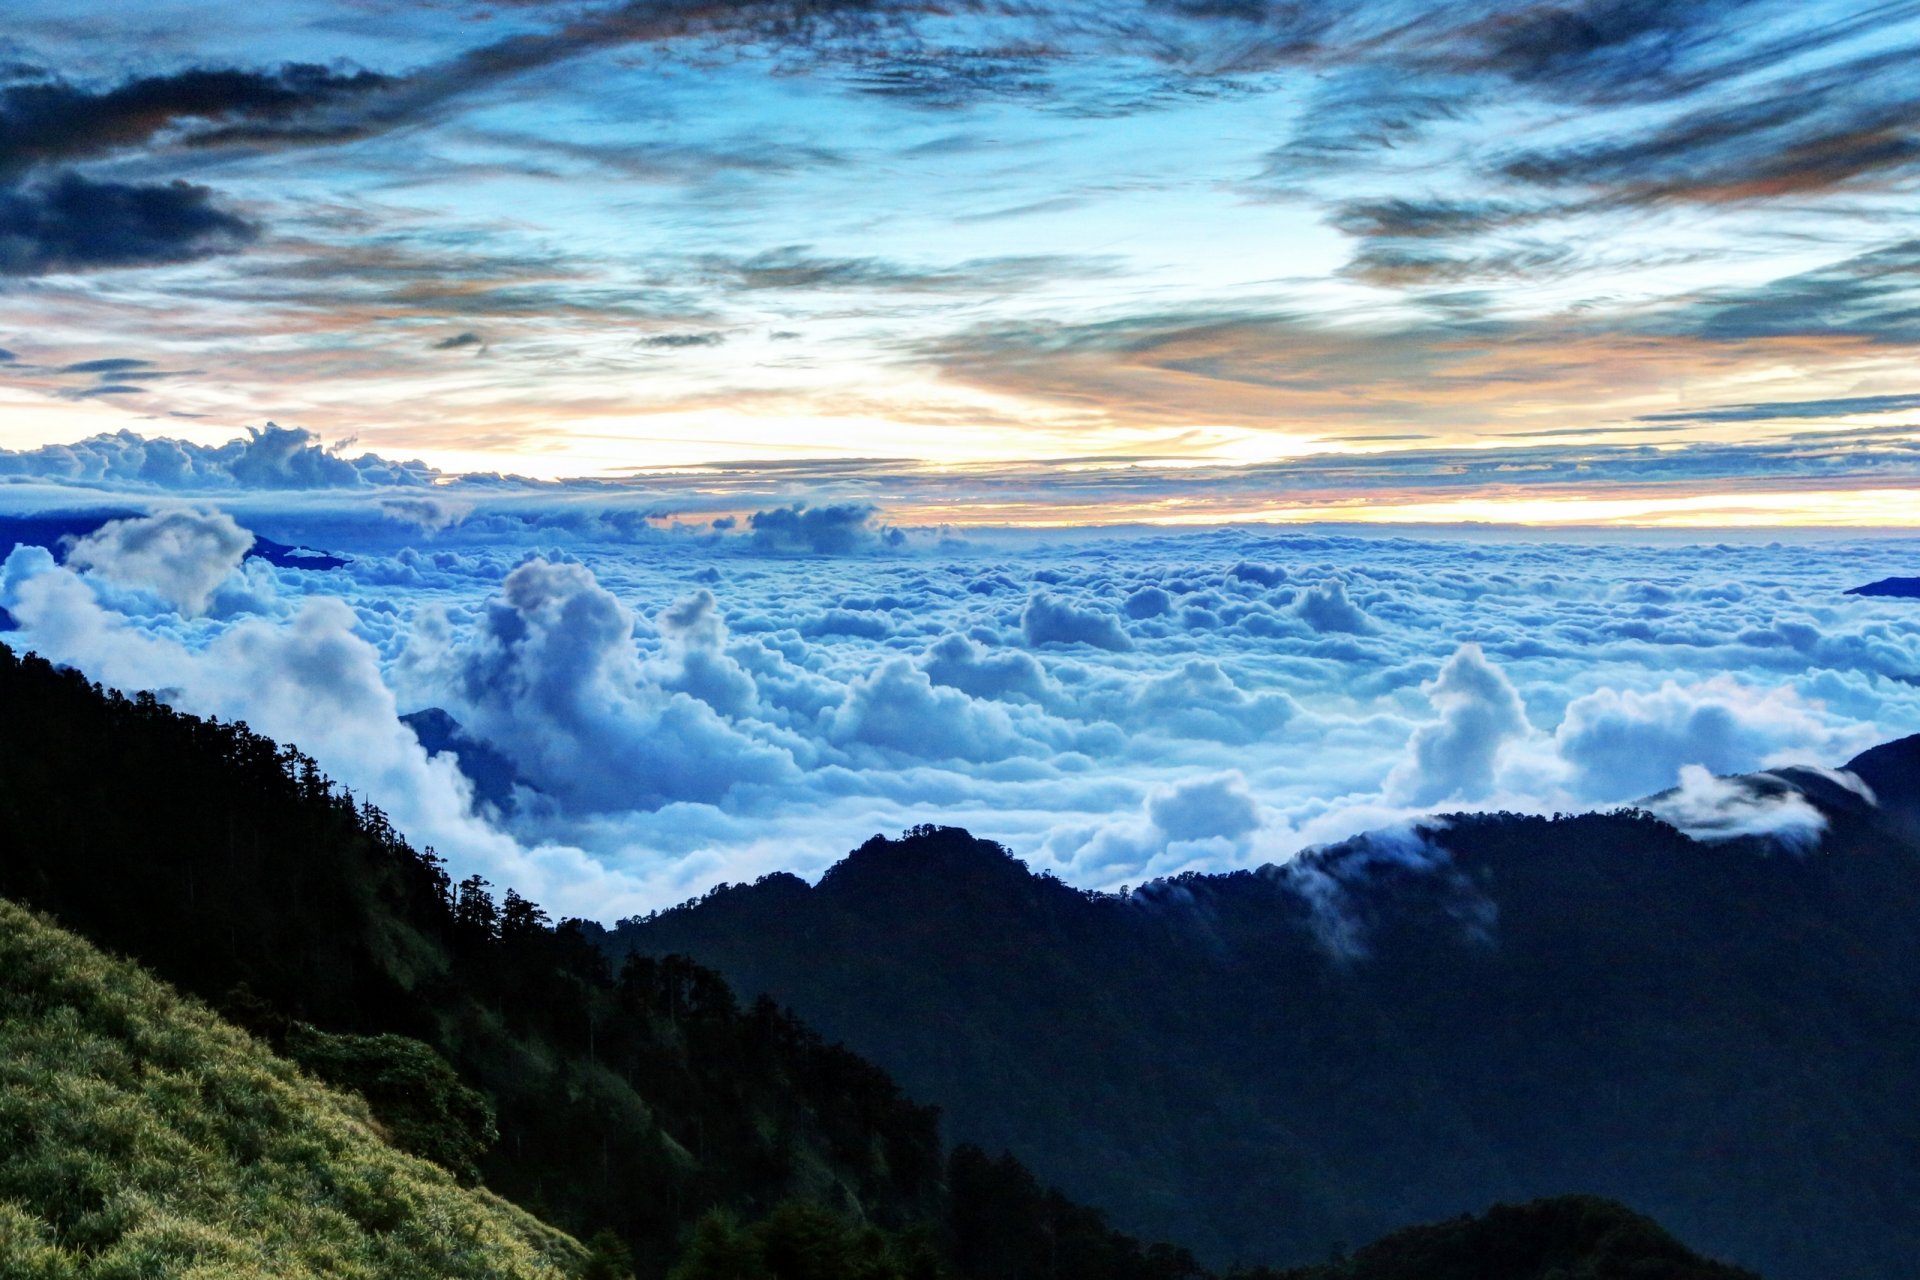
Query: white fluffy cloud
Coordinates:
[311,681]
[1050,620]
[1626,744]
[553,677]
[181,556]
[1715,808]
[1456,756]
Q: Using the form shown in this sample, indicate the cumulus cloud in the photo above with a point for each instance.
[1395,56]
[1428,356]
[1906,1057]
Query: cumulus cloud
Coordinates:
[1211,818]
[1325,607]
[697,661]
[313,681]
[1623,744]
[551,676]
[266,458]
[1455,757]
[835,530]
[1050,620]
[180,556]
[900,708]
[964,664]
[1200,700]
[1205,809]
[1148,602]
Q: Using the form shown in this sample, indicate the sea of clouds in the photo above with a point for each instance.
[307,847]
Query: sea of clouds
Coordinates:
[685,703]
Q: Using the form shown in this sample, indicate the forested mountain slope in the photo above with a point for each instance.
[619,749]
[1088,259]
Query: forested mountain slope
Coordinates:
[638,1097]
[634,1098]
[1269,1064]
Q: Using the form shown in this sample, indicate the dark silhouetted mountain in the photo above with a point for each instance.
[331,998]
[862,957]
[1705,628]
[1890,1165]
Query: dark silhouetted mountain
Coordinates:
[282,556]
[493,1043]
[58,531]
[1567,1238]
[1267,1064]
[638,1098]
[1901,588]
[1892,769]
[491,773]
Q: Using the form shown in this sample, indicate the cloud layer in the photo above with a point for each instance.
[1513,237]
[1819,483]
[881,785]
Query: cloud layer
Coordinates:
[682,705]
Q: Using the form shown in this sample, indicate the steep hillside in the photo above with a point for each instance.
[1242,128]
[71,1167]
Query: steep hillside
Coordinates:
[635,1098]
[1270,1064]
[721,1141]
[141,1135]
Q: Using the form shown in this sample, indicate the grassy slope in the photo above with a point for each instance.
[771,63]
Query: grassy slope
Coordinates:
[140,1135]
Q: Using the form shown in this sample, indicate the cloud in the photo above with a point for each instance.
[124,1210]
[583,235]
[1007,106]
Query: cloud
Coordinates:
[266,458]
[1401,218]
[898,707]
[70,223]
[689,708]
[960,662]
[181,556]
[1205,808]
[1456,756]
[1199,699]
[1211,816]
[1712,808]
[552,677]
[1775,410]
[1342,885]
[429,514]
[1325,607]
[1623,744]
[1147,602]
[312,681]
[797,267]
[1836,127]
[46,121]
[1047,619]
[834,530]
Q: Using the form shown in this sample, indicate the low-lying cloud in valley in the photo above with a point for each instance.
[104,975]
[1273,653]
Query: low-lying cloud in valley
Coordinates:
[678,704]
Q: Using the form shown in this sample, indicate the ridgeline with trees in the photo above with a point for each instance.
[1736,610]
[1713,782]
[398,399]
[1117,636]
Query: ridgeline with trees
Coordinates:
[638,1105]
[1273,1064]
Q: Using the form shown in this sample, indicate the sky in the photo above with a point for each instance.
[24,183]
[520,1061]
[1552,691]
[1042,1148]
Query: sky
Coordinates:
[1058,264]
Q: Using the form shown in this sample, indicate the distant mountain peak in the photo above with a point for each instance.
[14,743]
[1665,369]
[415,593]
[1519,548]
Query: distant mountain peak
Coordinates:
[1896,588]
[934,854]
[1892,769]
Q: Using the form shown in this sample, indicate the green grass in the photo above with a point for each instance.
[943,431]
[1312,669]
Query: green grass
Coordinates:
[143,1137]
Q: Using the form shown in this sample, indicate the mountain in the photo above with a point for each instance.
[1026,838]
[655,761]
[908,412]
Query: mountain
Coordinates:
[57,531]
[493,775]
[1268,1065]
[1900,588]
[1565,1238]
[635,1099]
[147,1137]
[695,1137]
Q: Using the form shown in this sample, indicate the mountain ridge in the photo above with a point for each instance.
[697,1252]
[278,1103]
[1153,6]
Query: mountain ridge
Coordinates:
[1401,1026]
